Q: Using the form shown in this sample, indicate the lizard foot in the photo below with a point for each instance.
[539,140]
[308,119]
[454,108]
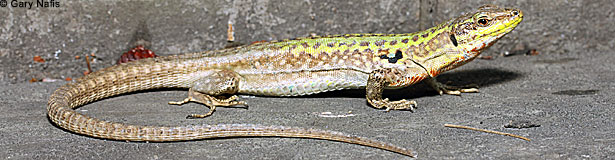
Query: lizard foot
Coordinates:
[451,90]
[395,105]
[209,101]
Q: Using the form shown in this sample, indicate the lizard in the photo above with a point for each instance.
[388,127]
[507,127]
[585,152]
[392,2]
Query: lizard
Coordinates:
[290,67]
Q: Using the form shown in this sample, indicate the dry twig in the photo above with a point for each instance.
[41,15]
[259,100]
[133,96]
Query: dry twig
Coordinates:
[486,131]
[87,60]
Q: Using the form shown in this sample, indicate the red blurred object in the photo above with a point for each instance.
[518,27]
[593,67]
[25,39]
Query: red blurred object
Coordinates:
[255,42]
[533,52]
[136,53]
[485,57]
[38,59]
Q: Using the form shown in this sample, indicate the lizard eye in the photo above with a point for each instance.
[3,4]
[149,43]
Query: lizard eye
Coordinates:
[515,13]
[483,22]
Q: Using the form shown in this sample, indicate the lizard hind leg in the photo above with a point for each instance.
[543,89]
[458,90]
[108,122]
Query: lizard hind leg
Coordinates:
[213,83]
[452,90]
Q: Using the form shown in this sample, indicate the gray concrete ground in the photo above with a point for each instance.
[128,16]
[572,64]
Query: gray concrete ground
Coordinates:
[567,89]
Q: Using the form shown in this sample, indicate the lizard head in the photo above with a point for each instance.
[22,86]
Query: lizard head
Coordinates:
[472,33]
[477,31]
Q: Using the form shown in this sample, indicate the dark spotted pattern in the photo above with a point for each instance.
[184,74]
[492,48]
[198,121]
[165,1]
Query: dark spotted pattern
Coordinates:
[364,43]
[383,51]
[453,39]
[352,44]
[346,52]
[405,40]
[379,43]
[316,45]
[356,51]
[398,55]
[393,42]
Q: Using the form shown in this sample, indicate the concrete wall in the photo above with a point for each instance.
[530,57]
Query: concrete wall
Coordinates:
[108,28]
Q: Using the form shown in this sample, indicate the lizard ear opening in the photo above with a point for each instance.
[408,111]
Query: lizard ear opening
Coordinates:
[453,39]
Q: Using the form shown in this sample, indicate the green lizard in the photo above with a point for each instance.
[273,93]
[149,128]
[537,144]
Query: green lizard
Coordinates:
[293,67]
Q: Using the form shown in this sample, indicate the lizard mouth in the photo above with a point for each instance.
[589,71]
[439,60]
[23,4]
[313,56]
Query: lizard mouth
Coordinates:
[514,18]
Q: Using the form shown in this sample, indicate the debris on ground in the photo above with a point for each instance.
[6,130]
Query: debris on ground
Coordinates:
[521,124]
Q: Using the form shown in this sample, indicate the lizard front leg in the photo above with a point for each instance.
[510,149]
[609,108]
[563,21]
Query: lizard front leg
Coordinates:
[452,90]
[213,83]
[381,78]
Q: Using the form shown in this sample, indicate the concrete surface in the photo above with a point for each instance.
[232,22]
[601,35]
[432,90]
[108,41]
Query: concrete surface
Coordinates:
[567,88]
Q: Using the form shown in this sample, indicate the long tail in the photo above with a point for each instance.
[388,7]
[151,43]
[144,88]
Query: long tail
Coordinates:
[163,73]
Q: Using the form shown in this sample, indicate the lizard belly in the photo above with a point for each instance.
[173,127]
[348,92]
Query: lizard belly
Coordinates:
[301,83]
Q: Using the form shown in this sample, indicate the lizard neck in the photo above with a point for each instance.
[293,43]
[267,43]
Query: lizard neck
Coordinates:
[437,50]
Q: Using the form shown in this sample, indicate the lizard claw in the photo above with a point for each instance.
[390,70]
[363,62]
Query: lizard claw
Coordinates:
[400,105]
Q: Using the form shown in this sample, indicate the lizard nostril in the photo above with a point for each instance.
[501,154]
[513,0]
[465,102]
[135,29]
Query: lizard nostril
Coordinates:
[515,13]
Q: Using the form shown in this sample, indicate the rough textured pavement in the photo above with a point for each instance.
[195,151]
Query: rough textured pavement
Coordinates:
[567,88]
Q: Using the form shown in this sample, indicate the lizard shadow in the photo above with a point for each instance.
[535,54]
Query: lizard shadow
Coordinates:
[481,77]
